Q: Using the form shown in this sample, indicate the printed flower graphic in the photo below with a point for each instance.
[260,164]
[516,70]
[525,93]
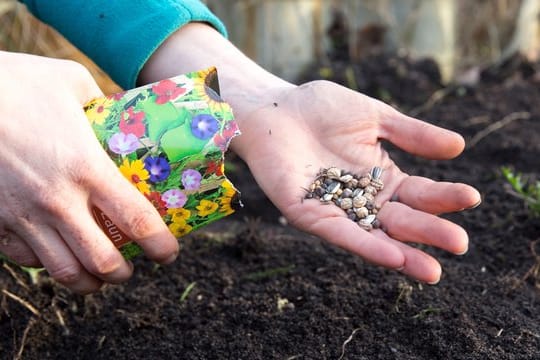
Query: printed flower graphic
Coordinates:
[117,96]
[179,214]
[228,192]
[135,172]
[221,141]
[167,90]
[227,188]
[158,167]
[230,129]
[207,207]
[123,144]
[204,126]
[202,86]
[174,198]
[132,122]
[155,198]
[180,228]
[226,207]
[214,167]
[191,179]
[98,110]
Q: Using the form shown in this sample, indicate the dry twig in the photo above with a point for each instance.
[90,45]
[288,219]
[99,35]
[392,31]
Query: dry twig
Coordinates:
[16,276]
[23,302]
[519,115]
[31,323]
[346,342]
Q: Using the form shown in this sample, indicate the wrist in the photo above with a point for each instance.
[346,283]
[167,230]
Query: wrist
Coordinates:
[246,86]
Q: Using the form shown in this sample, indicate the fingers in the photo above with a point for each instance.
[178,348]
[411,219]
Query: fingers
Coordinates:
[436,197]
[346,234]
[417,264]
[420,138]
[409,225]
[59,260]
[12,246]
[135,216]
[89,244]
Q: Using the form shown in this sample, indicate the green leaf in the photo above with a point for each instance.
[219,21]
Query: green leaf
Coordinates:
[161,117]
[529,193]
[179,143]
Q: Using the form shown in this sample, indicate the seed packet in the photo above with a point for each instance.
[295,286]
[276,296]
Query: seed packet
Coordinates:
[169,139]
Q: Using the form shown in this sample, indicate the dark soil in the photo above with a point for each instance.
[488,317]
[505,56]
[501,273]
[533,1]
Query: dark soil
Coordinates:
[261,290]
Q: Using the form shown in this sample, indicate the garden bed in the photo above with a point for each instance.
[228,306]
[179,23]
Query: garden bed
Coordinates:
[251,287]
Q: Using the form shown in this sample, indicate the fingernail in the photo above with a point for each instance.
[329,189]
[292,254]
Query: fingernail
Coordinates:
[434,282]
[400,268]
[475,205]
[171,259]
[463,252]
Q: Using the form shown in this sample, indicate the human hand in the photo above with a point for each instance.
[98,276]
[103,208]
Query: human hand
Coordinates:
[289,133]
[321,124]
[53,171]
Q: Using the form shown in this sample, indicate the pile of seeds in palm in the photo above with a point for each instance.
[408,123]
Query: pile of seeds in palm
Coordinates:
[354,194]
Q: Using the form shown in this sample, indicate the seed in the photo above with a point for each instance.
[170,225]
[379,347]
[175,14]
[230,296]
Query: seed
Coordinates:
[327,197]
[370,218]
[333,173]
[347,192]
[357,192]
[369,197]
[377,184]
[370,190]
[361,212]
[346,203]
[376,172]
[333,187]
[364,181]
[359,201]
[346,178]
[364,225]
[353,183]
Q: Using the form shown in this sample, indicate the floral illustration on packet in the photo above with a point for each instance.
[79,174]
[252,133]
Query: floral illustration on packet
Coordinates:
[169,140]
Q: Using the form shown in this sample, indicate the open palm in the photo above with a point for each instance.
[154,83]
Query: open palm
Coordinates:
[322,124]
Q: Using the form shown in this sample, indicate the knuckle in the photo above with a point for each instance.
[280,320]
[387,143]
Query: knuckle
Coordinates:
[80,171]
[77,70]
[105,265]
[142,224]
[50,200]
[66,274]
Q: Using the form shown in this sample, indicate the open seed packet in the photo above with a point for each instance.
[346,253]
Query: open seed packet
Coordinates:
[169,139]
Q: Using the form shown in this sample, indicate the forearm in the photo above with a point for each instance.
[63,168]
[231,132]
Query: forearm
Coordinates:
[246,86]
[120,35]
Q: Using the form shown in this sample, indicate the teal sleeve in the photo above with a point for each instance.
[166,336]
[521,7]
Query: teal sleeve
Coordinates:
[120,36]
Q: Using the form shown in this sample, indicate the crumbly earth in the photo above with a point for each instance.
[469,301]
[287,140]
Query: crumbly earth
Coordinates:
[249,287]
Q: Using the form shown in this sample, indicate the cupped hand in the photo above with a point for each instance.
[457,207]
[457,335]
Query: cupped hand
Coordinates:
[53,171]
[321,124]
